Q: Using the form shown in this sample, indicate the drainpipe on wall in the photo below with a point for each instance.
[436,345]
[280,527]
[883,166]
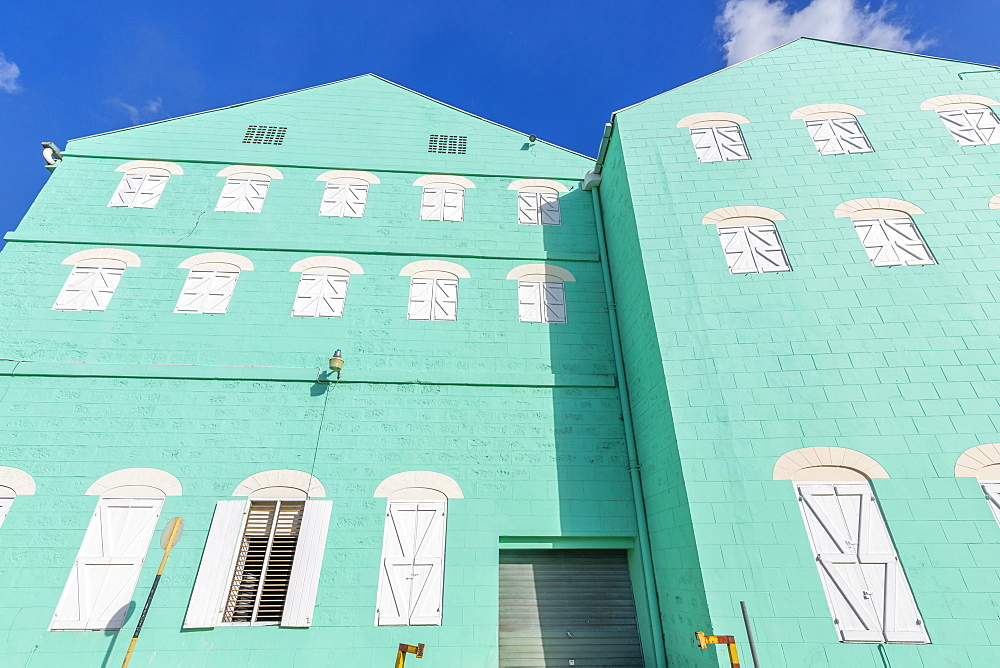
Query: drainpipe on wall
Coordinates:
[591,183]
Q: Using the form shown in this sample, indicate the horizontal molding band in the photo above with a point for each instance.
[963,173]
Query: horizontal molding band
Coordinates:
[567,542]
[294,374]
[575,177]
[565,257]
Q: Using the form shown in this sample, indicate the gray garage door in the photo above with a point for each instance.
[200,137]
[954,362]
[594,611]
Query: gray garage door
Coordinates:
[565,608]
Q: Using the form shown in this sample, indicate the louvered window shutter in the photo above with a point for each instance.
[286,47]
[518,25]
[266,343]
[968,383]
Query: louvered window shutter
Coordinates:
[548,208]
[216,570]
[127,189]
[5,503]
[454,204]
[991,489]
[207,291]
[445,299]
[753,248]
[893,242]
[107,568]
[243,195]
[866,589]
[421,298]
[554,301]
[150,191]
[321,296]
[529,301]
[88,288]
[308,561]
[731,144]
[432,204]
[527,208]
[411,577]
[706,145]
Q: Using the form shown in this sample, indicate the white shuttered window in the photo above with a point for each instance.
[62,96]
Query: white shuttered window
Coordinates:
[411,577]
[139,191]
[344,200]
[837,136]
[100,585]
[893,242]
[541,301]
[868,593]
[261,564]
[537,208]
[991,488]
[433,298]
[719,144]
[89,288]
[321,296]
[751,249]
[5,503]
[442,203]
[972,126]
[207,291]
[243,194]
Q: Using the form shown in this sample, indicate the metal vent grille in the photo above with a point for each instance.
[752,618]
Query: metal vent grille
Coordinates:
[447,144]
[264,134]
[264,564]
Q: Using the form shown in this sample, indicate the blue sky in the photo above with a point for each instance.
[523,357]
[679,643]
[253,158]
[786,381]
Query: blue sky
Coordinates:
[556,69]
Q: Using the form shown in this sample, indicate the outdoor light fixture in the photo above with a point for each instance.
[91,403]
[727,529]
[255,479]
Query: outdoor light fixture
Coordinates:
[336,362]
[50,153]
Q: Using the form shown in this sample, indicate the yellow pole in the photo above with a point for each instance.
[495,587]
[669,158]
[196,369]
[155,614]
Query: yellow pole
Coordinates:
[177,523]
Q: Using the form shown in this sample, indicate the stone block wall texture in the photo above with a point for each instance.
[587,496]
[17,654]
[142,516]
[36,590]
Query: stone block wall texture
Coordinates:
[899,363]
[525,417]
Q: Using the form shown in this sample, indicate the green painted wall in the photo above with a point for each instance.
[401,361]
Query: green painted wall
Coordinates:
[524,416]
[896,362]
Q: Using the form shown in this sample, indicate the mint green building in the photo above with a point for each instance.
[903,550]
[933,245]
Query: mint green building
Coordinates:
[585,409]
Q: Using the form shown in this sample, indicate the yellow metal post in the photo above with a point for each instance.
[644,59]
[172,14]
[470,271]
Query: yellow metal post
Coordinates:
[405,649]
[704,641]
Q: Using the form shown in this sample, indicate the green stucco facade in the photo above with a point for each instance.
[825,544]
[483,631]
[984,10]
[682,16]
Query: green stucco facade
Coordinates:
[725,373]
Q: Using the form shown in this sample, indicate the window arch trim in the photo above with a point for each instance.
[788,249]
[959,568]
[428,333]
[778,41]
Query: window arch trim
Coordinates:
[351,176]
[151,167]
[804,464]
[869,206]
[250,170]
[319,264]
[128,258]
[447,179]
[826,110]
[421,266]
[548,270]
[419,480]
[711,119]
[995,202]
[741,215]
[981,461]
[151,479]
[17,480]
[532,185]
[258,484]
[243,263]
[956,101]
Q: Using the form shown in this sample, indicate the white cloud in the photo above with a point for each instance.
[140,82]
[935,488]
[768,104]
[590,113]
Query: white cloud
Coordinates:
[148,110]
[751,27]
[9,73]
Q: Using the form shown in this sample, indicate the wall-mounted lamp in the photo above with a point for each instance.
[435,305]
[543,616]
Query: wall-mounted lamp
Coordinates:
[50,154]
[336,362]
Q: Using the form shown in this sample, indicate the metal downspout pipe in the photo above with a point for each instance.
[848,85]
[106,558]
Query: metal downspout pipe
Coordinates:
[645,553]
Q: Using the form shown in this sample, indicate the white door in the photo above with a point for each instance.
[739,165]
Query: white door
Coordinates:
[411,576]
[103,578]
[866,588]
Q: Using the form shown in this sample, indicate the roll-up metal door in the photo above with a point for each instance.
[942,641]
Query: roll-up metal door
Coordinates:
[566,608]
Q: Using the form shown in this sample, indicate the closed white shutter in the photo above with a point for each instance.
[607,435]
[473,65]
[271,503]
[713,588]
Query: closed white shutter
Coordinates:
[548,207]
[216,570]
[304,583]
[529,301]
[893,242]
[554,301]
[126,191]
[344,200]
[985,122]
[88,289]
[100,586]
[421,297]
[837,136]
[411,578]
[5,504]
[242,194]
[454,204]
[753,248]
[445,299]
[150,191]
[706,145]
[207,291]
[527,208]
[719,144]
[321,296]
[432,204]
[991,489]
[866,588]
[972,126]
